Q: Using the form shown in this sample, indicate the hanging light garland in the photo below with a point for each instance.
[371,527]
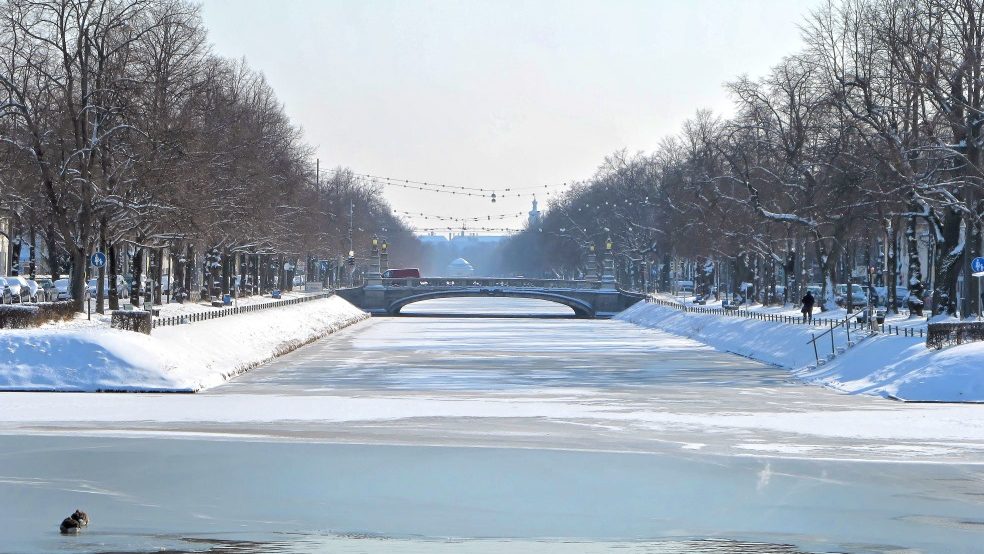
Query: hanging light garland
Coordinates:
[467,229]
[491,193]
[459,219]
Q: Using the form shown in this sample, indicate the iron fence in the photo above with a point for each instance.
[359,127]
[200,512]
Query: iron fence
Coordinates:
[225,312]
[824,322]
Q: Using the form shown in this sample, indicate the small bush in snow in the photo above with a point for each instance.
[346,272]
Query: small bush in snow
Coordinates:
[18,317]
[140,321]
[56,311]
[34,315]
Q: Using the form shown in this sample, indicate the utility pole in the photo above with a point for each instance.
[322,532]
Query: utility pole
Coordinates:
[351,216]
[351,259]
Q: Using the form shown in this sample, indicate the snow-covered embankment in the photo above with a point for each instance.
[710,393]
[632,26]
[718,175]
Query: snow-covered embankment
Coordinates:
[180,358]
[882,365]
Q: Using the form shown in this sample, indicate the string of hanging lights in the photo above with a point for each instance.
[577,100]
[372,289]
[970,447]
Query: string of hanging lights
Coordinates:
[497,217]
[492,193]
[453,229]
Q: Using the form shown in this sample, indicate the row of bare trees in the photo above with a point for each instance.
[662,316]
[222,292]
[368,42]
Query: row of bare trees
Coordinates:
[120,131]
[861,150]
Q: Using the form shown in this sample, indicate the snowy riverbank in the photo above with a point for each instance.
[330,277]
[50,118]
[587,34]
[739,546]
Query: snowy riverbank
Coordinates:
[181,358]
[900,367]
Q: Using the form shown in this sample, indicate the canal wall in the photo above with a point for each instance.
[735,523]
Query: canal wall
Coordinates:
[891,366]
[182,358]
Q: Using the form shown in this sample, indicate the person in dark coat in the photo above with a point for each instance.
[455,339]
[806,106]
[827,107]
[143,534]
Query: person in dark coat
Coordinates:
[808,302]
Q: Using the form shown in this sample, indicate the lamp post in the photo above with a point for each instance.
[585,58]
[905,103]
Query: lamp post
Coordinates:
[592,273]
[374,279]
[351,264]
[384,257]
[608,265]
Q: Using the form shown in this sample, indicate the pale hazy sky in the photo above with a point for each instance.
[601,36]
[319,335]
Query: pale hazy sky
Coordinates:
[497,93]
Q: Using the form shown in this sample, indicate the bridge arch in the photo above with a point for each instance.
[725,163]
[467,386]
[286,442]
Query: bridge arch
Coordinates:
[580,307]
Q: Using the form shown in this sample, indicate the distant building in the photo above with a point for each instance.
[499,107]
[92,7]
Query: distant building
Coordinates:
[433,240]
[534,214]
[459,267]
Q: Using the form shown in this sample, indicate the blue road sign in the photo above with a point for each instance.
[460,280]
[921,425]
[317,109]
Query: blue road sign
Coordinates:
[324,266]
[98,259]
[977,265]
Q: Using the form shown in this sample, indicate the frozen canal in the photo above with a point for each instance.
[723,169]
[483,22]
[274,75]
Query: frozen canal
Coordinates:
[445,434]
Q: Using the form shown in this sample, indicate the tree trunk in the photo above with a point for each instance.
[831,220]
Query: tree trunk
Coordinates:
[280,273]
[15,249]
[33,268]
[828,275]
[243,271]
[78,278]
[158,275]
[949,254]
[289,274]
[189,271]
[257,287]
[214,272]
[891,260]
[137,277]
[225,272]
[114,293]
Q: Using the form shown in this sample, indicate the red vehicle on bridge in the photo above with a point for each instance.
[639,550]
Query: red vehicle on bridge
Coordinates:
[408,273]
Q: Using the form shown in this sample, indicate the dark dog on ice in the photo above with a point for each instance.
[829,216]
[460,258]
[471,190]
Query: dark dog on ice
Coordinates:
[74,523]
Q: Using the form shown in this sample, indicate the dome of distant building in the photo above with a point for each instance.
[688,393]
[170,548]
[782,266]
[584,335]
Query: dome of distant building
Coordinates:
[460,268]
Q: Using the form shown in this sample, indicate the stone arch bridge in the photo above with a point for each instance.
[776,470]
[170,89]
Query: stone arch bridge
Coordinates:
[588,299]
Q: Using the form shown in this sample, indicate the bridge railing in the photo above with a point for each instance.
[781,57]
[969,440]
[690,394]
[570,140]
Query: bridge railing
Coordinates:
[489,282]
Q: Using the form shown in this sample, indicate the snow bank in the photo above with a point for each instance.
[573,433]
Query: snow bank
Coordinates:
[179,358]
[900,367]
[777,344]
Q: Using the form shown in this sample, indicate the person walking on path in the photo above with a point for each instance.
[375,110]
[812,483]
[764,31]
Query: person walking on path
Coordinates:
[808,302]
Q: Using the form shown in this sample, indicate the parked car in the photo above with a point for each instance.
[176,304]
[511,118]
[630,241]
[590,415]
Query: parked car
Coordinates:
[47,288]
[858,296]
[35,290]
[5,296]
[63,290]
[122,289]
[18,288]
[901,296]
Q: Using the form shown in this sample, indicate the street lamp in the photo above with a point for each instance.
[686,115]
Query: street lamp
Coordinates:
[608,244]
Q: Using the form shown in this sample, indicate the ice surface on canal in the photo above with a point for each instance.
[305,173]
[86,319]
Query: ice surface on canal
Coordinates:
[500,354]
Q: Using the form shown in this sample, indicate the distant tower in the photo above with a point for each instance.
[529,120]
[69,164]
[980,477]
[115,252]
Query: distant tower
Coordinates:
[534,213]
